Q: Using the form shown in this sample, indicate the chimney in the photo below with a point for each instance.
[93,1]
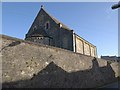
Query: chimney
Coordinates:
[60,25]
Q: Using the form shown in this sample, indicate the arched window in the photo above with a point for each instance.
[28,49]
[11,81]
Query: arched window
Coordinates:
[47,25]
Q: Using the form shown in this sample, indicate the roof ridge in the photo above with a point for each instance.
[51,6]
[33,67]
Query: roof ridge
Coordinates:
[55,20]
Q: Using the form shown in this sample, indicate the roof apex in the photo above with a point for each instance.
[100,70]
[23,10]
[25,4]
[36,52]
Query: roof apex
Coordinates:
[55,20]
[42,6]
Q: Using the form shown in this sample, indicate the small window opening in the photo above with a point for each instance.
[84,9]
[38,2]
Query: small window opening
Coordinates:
[39,37]
[47,25]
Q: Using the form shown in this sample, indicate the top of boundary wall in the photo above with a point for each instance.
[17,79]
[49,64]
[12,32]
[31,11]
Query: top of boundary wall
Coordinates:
[36,44]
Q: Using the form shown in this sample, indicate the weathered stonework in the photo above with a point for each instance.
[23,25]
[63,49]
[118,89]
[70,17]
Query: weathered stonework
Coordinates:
[27,65]
[58,35]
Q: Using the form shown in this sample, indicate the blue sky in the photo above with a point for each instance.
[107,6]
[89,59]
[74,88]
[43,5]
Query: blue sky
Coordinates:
[95,22]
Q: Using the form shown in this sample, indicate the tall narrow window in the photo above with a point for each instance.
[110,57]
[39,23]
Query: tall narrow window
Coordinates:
[47,25]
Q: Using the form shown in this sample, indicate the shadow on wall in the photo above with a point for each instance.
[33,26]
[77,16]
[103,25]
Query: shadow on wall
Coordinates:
[11,45]
[54,76]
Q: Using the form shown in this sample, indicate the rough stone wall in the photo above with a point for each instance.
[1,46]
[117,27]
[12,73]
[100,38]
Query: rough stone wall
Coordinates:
[66,37]
[40,21]
[42,40]
[61,37]
[26,64]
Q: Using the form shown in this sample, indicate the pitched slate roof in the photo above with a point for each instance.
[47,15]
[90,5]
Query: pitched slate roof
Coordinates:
[56,21]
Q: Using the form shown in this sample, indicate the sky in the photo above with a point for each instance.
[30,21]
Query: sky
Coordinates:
[96,22]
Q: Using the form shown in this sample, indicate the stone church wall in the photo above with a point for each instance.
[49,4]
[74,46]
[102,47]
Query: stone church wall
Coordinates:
[61,38]
[84,47]
[66,38]
[41,20]
[26,64]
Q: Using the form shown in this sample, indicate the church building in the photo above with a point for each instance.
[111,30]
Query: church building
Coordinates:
[49,31]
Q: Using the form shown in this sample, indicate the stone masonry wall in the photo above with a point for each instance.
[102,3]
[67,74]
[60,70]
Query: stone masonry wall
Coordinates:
[25,64]
[58,34]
